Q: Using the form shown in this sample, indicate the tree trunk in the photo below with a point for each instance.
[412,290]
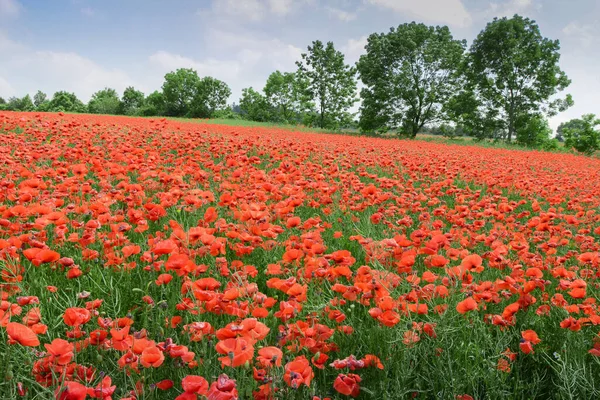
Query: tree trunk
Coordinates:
[414,130]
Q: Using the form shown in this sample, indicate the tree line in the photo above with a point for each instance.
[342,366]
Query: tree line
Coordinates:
[183,94]
[503,87]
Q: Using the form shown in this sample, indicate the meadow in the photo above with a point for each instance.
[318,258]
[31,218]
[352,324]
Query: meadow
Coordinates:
[163,259]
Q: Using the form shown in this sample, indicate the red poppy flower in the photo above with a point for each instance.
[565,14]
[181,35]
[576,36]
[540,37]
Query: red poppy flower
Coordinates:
[298,372]
[347,384]
[223,389]
[19,333]
[466,305]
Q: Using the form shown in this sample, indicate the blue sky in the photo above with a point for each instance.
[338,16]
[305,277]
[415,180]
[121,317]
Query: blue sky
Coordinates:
[85,45]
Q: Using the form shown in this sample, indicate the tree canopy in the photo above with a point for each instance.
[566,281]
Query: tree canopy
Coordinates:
[179,89]
[255,106]
[582,134]
[105,101]
[409,74]
[131,102]
[211,95]
[514,71]
[330,83]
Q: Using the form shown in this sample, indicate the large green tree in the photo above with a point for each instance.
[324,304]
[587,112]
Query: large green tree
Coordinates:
[154,104]
[131,102]
[66,102]
[330,84]
[105,101]
[409,74]
[254,106]
[20,104]
[180,89]
[582,134]
[515,71]
[575,123]
[40,101]
[533,131]
[211,95]
[286,94]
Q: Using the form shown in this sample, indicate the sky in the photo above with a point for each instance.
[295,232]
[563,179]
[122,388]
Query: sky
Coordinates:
[83,46]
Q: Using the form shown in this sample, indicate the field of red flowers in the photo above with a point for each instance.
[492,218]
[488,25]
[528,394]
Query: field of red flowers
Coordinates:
[155,259]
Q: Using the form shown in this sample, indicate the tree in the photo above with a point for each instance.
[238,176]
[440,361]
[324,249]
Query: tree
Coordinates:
[154,105]
[180,89]
[582,135]
[533,131]
[254,106]
[464,108]
[211,95]
[329,82]
[514,71]
[284,91]
[105,101]
[20,104]
[576,124]
[132,101]
[66,102]
[40,100]
[409,74]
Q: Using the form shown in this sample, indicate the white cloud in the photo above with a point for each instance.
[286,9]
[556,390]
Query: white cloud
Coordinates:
[9,8]
[340,14]
[164,62]
[354,48]
[74,72]
[251,60]
[250,10]
[253,10]
[28,70]
[280,7]
[452,12]
[6,89]
[585,34]
[273,52]
[511,7]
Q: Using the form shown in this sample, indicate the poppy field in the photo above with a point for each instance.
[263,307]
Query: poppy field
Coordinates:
[157,259]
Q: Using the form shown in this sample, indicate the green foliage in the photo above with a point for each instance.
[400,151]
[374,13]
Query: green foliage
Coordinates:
[464,109]
[285,93]
[132,102]
[408,73]
[105,101]
[515,71]
[66,102]
[582,134]
[154,104]
[40,101]
[186,95]
[254,106]
[227,114]
[180,89]
[211,95]
[533,130]
[330,84]
[576,123]
[19,104]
